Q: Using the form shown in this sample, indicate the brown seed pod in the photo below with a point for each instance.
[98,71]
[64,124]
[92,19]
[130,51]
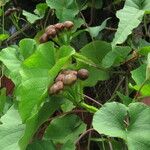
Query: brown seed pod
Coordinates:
[49,27]
[66,72]
[51,33]
[43,38]
[69,79]
[59,26]
[68,24]
[83,74]
[56,87]
[60,77]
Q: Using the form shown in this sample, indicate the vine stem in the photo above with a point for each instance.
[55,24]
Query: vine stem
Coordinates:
[89,108]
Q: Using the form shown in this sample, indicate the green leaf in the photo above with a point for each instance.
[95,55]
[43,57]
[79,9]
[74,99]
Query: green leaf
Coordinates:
[11,130]
[38,73]
[67,106]
[65,9]
[41,9]
[35,79]
[64,51]
[116,57]
[110,120]
[3,2]
[44,57]
[94,31]
[74,93]
[69,145]
[148,67]
[3,37]
[65,128]
[35,122]
[10,59]
[27,47]
[95,51]
[39,13]
[2,100]
[139,76]
[41,145]
[124,99]
[31,17]
[130,17]
[31,91]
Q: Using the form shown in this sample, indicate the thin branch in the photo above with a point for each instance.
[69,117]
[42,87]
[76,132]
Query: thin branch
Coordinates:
[66,113]
[111,29]
[117,87]
[93,100]
[18,33]
[83,134]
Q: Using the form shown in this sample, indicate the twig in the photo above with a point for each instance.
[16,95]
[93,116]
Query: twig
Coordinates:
[93,100]
[83,134]
[110,145]
[89,138]
[66,113]
[18,32]
[46,20]
[117,87]
[111,29]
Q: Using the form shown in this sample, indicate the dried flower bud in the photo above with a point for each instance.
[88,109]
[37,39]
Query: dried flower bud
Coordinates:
[43,38]
[69,79]
[83,74]
[56,88]
[68,24]
[51,33]
[59,26]
[60,77]
[49,27]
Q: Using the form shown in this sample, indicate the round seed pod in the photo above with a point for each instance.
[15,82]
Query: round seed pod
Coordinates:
[83,74]
[69,79]
[49,27]
[56,87]
[60,77]
[51,32]
[59,26]
[68,24]
[66,72]
[43,38]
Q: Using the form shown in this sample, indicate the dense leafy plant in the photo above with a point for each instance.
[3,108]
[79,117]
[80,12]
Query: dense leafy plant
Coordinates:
[53,77]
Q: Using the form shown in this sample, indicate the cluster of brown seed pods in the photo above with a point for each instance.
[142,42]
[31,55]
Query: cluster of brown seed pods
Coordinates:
[53,30]
[66,78]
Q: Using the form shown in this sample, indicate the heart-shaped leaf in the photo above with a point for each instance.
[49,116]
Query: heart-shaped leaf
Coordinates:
[130,17]
[130,123]
[65,128]
[38,73]
[11,130]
